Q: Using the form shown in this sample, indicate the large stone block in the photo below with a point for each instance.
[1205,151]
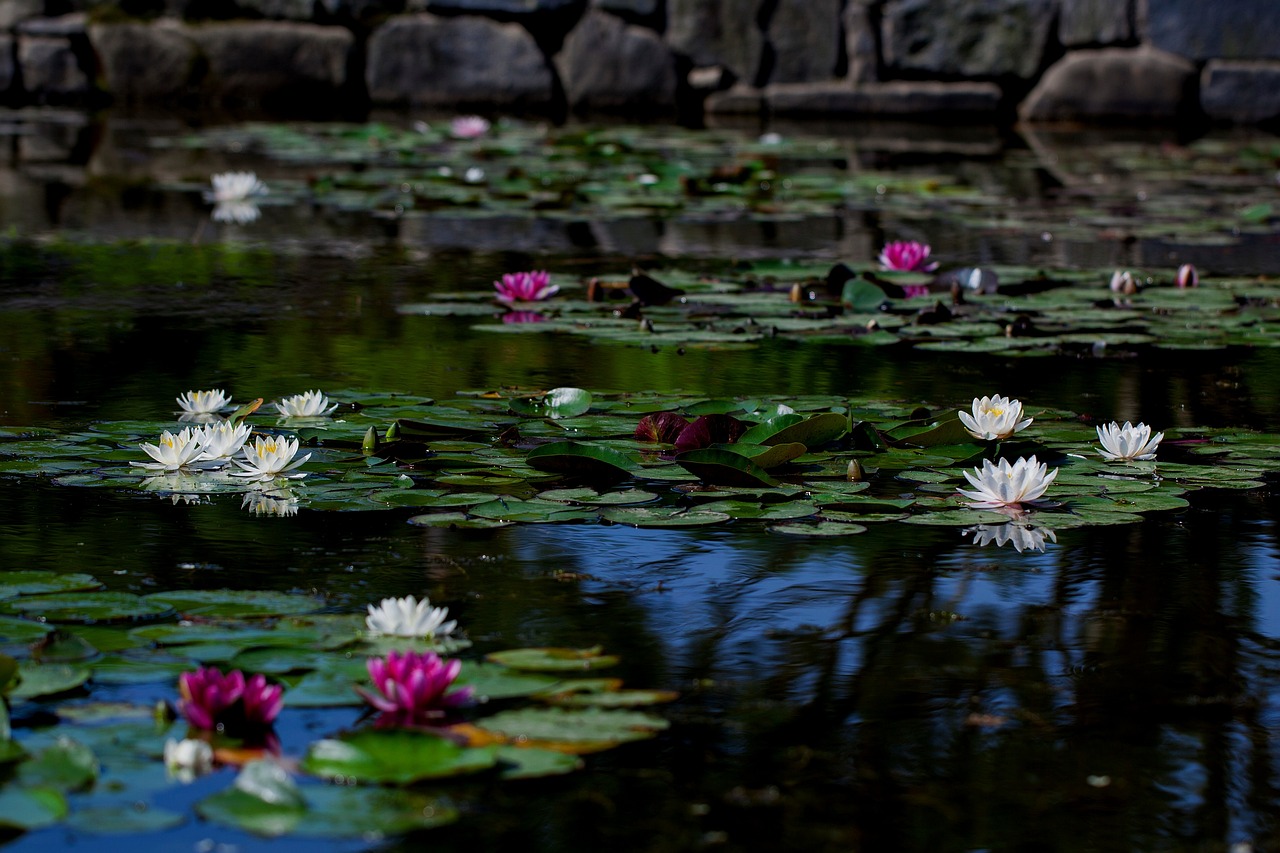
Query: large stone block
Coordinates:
[1084,23]
[979,38]
[143,62]
[14,11]
[1113,83]
[1238,91]
[278,61]
[606,64]
[7,66]
[860,43]
[805,38]
[497,7]
[50,68]
[718,32]
[425,59]
[899,98]
[1215,29]
[631,10]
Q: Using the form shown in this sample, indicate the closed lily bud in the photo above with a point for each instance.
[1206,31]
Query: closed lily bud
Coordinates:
[370,444]
[855,473]
[1186,276]
[797,292]
[1122,282]
[393,431]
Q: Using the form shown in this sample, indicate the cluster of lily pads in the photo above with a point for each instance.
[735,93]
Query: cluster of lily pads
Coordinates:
[242,660]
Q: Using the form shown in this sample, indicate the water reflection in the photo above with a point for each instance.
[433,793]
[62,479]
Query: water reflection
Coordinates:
[278,501]
[236,212]
[1023,537]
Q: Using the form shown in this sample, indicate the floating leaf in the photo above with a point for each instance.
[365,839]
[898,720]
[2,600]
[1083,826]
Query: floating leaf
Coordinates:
[553,659]
[234,603]
[724,467]
[573,731]
[31,808]
[394,756]
[581,459]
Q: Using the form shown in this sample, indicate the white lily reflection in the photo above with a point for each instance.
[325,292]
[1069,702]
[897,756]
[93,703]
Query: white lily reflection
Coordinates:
[179,487]
[281,502]
[1022,536]
[236,212]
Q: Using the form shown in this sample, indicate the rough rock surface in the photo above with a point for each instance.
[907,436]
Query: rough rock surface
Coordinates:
[1241,91]
[1093,23]
[496,7]
[981,38]
[631,10]
[145,62]
[860,42]
[718,32]
[804,44]
[13,11]
[272,60]
[50,68]
[606,64]
[1215,29]
[425,59]
[1113,83]
[7,67]
[898,98]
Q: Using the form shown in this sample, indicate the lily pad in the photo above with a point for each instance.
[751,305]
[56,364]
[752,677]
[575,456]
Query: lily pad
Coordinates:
[234,603]
[395,757]
[573,730]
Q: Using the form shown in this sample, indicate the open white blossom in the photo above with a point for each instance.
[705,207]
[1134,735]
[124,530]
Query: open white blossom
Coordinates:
[221,440]
[994,417]
[187,759]
[1005,485]
[408,617]
[234,186]
[172,452]
[1021,536]
[270,457]
[203,402]
[312,404]
[1127,443]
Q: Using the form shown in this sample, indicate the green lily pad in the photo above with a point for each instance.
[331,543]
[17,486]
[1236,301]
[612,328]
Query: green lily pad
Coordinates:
[31,808]
[723,467]
[532,511]
[35,582]
[458,520]
[234,603]
[123,819]
[661,516]
[574,730]
[501,682]
[64,766]
[554,659]
[580,459]
[48,680]
[520,762]
[394,757]
[89,607]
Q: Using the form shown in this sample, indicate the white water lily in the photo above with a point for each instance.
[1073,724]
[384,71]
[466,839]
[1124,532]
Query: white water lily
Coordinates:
[1128,443]
[994,417]
[172,452]
[1020,536]
[408,617]
[234,186]
[221,440]
[203,402]
[186,759]
[1005,485]
[270,457]
[312,404]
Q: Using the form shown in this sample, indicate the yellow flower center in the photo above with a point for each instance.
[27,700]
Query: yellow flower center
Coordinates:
[996,412]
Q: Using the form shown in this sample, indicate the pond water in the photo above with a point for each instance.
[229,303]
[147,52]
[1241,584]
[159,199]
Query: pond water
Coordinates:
[904,688]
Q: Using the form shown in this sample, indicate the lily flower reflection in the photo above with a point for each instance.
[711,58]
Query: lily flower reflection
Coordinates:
[230,703]
[1128,443]
[468,127]
[279,502]
[907,256]
[523,317]
[311,404]
[179,486]
[411,688]
[233,196]
[525,287]
[408,617]
[221,440]
[1024,537]
[203,402]
[172,452]
[188,758]
[994,418]
[269,458]
[1005,485]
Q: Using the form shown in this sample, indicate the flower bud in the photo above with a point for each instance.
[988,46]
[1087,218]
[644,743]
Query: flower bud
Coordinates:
[1186,276]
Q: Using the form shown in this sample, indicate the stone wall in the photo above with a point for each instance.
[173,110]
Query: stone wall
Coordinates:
[1045,60]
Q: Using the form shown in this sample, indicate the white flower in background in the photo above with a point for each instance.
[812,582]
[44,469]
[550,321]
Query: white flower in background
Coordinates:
[1122,282]
[994,417]
[468,127]
[172,452]
[408,617]
[1127,443]
[270,457]
[203,402]
[221,440]
[187,759]
[1006,485]
[474,175]
[1021,536]
[281,502]
[235,186]
[312,404]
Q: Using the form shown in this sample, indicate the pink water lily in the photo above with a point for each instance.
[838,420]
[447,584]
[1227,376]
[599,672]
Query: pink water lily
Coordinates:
[907,256]
[525,287]
[411,688]
[215,701]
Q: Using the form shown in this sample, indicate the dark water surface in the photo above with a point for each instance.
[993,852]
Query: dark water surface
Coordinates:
[904,689]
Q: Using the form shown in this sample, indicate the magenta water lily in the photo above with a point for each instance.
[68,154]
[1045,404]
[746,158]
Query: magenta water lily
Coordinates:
[228,702]
[413,689]
[907,256]
[531,286]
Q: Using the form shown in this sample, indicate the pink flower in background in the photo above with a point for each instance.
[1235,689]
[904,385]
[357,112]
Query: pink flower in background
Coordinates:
[214,701]
[525,287]
[907,256]
[411,688]
[911,291]
[468,127]
[1186,276]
